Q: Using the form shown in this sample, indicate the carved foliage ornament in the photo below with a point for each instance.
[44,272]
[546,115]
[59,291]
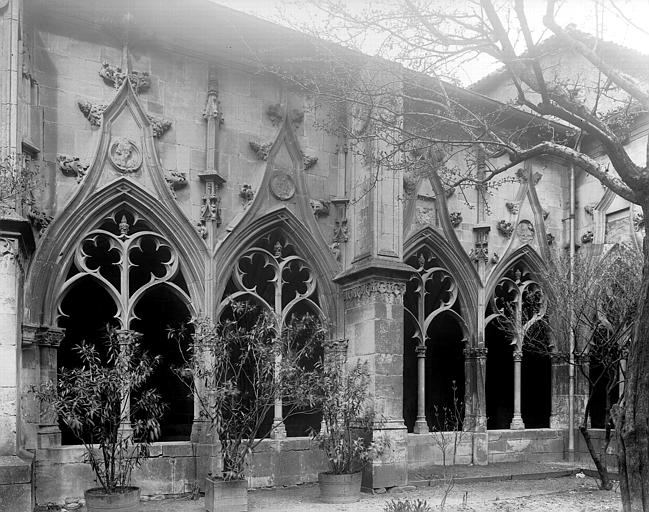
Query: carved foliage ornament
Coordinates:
[505,228]
[71,166]
[388,292]
[456,218]
[94,113]
[587,237]
[261,150]
[513,207]
[124,154]
[114,75]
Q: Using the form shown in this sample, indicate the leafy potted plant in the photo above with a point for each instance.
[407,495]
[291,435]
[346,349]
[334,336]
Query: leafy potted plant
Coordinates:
[240,367]
[106,405]
[342,396]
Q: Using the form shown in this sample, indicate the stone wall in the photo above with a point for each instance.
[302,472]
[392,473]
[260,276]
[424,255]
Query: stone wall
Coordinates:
[171,469]
[426,449]
[543,444]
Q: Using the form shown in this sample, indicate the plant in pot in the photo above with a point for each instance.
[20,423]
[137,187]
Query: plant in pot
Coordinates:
[107,406]
[240,367]
[342,394]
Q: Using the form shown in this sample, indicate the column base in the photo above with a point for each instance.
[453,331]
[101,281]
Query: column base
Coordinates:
[279,430]
[517,423]
[421,427]
[391,468]
[49,437]
[16,486]
[209,460]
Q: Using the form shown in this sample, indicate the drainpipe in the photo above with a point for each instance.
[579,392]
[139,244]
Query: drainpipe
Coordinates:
[571,337]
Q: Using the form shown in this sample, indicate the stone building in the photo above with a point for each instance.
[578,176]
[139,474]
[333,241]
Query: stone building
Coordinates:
[166,158]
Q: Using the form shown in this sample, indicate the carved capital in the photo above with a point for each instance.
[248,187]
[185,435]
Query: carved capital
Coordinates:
[517,355]
[420,350]
[388,292]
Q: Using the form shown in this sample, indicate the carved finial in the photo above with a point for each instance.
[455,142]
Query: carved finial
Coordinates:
[212,108]
[277,249]
[123,227]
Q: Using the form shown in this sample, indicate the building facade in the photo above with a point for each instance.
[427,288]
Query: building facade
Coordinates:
[168,163]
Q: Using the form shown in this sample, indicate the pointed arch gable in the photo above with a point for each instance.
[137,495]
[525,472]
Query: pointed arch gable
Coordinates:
[525,253]
[53,256]
[458,264]
[301,237]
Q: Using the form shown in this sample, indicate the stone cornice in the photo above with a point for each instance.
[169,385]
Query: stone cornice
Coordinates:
[392,269]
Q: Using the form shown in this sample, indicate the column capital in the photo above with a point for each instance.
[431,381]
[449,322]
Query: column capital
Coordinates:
[421,350]
[518,355]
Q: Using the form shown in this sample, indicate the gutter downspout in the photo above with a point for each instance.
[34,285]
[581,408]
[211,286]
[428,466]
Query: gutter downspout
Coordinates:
[571,337]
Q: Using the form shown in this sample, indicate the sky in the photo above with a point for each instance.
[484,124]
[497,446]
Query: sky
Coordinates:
[616,21]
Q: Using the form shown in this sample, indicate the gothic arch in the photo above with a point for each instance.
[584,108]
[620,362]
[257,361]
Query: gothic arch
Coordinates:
[457,264]
[526,254]
[301,238]
[53,257]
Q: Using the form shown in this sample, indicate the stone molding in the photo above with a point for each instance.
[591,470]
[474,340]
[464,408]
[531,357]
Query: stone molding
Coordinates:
[42,336]
[387,292]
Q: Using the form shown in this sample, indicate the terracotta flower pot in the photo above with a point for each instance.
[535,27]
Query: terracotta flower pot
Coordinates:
[127,499]
[339,488]
[226,495]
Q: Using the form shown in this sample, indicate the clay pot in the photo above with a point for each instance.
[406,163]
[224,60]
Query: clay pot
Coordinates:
[339,488]
[226,495]
[127,499]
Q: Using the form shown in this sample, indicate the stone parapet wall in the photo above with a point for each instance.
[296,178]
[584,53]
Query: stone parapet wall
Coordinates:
[543,444]
[425,449]
[172,469]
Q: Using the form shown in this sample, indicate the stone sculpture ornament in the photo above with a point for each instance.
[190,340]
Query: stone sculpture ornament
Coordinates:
[525,231]
[124,155]
[282,185]
[505,228]
[71,166]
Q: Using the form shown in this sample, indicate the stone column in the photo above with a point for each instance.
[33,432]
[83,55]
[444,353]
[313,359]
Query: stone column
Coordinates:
[279,430]
[469,389]
[126,338]
[48,341]
[517,421]
[421,425]
[374,326]
[15,463]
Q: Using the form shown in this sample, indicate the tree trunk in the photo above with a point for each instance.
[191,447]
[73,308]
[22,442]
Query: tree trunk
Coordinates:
[605,480]
[632,418]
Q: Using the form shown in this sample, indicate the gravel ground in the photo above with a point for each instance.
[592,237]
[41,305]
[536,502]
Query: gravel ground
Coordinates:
[567,494]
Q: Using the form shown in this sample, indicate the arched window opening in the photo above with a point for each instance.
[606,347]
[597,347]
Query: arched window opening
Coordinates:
[125,275]
[271,275]
[433,370]
[517,352]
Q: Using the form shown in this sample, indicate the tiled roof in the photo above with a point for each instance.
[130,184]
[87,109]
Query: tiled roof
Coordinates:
[627,60]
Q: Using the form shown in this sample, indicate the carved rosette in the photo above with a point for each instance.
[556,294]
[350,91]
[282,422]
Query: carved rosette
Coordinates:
[387,292]
[125,155]
[282,185]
